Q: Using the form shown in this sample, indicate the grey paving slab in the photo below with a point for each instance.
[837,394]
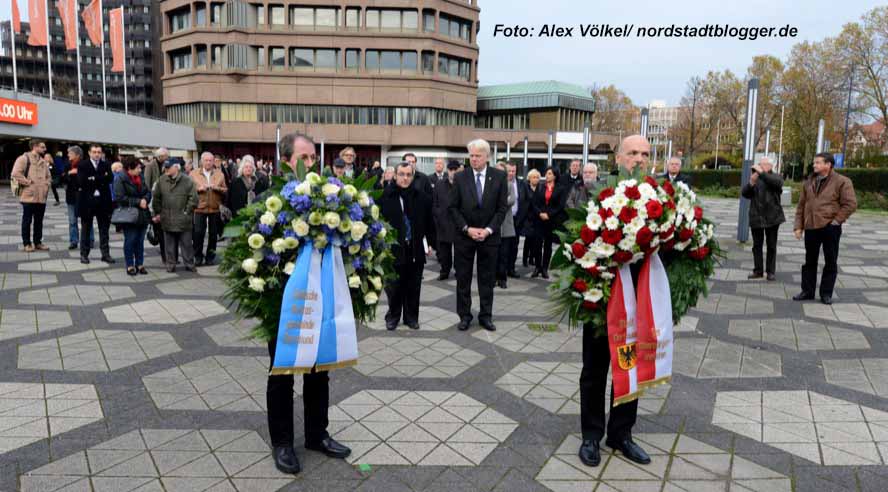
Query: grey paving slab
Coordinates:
[96,350]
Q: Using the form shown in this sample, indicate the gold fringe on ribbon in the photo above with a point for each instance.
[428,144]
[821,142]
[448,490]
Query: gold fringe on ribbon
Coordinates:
[655,382]
[627,398]
[281,371]
[337,365]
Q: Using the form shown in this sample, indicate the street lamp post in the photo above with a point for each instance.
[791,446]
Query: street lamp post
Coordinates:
[847,116]
[717,135]
[780,149]
[644,122]
[748,156]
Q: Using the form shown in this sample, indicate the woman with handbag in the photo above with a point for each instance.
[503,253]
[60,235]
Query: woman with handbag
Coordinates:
[132,196]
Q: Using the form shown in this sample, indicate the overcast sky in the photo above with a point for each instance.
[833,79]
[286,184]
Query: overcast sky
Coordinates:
[645,69]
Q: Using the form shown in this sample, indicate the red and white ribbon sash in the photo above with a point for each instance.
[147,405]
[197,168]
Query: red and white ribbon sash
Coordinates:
[654,322]
[621,335]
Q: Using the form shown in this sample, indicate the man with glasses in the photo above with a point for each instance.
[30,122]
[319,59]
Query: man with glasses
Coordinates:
[348,155]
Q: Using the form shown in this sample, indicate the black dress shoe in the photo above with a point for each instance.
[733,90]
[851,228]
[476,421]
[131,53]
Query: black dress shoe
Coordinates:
[285,460]
[803,296]
[502,284]
[487,325]
[464,324]
[590,453]
[545,274]
[84,260]
[198,262]
[192,268]
[330,447]
[754,276]
[514,275]
[630,450]
[443,276]
[107,259]
[536,273]
[73,246]
[826,300]
[391,325]
[413,326]
[771,277]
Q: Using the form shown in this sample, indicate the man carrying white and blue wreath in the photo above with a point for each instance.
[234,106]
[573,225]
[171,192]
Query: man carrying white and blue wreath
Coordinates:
[315,384]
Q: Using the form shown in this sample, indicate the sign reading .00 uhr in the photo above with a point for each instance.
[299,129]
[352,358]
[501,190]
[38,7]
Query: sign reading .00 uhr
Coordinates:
[18,112]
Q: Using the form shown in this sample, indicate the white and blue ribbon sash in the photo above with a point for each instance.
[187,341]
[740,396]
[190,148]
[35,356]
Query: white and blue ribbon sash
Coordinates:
[317,329]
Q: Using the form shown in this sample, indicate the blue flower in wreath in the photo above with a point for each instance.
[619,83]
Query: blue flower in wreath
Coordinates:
[335,181]
[332,202]
[300,203]
[289,190]
[355,213]
[358,263]
[273,258]
[264,229]
[283,218]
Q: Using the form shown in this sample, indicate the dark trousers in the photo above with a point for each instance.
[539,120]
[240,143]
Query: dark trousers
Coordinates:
[758,238]
[158,234]
[828,237]
[86,225]
[279,399]
[403,294]
[134,245]
[445,256]
[508,250]
[465,252]
[32,212]
[200,230]
[593,382]
[176,241]
[531,247]
[55,192]
[545,256]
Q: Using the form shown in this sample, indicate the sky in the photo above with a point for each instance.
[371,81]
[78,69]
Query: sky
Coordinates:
[645,69]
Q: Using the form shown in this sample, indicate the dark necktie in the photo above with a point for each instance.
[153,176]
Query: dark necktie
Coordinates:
[478,190]
[408,231]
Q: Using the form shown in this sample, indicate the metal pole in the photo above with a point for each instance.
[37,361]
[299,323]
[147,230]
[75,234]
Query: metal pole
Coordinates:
[748,156]
[586,137]
[847,116]
[77,36]
[820,127]
[717,136]
[654,161]
[495,151]
[48,51]
[277,149]
[644,122]
[549,155]
[123,41]
[508,149]
[15,84]
[102,30]
[780,148]
[767,140]
[669,153]
[525,155]
[322,156]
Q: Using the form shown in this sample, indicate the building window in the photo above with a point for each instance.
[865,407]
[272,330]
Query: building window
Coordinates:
[391,61]
[180,20]
[314,18]
[352,60]
[454,27]
[260,57]
[392,20]
[181,60]
[309,59]
[259,10]
[200,15]
[428,20]
[278,17]
[352,19]
[277,58]
[201,56]
[216,14]
[454,67]
[217,56]
[428,62]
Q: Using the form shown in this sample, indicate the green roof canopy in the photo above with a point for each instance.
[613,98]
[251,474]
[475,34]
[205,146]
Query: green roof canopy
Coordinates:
[534,95]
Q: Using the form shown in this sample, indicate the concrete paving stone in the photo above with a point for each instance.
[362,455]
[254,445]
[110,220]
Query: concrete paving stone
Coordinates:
[385,357]
[167,311]
[96,350]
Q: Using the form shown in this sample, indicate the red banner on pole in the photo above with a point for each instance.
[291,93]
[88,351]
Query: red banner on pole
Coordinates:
[67,11]
[115,27]
[16,18]
[92,20]
[37,18]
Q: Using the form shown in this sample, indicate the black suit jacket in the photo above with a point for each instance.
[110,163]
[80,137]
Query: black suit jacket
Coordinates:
[421,182]
[555,207]
[90,179]
[464,208]
[419,211]
[441,210]
[524,200]
[433,178]
[680,177]
[566,181]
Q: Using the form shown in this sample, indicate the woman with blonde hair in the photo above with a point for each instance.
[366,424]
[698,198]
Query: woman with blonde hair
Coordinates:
[531,229]
[246,186]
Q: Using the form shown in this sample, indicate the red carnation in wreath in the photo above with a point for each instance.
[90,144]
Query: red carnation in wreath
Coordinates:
[578,250]
[604,213]
[591,306]
[654,209]
[698,213]
[644,236]
[668,233]
[651,181]
[668,188]
[606,193]
[579,285]
[632,193]
[668,245]
[627,214]
[593,270]
[612,237]
[699,253]
[685,234]
[587,235]
[622,256]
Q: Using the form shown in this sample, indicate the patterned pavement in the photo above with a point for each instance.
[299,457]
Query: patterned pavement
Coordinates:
[118,383]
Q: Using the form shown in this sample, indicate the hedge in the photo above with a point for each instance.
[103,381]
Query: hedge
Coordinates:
[872,180]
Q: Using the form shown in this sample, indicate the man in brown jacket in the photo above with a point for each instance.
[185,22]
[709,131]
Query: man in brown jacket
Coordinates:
[31,172]
[211,189]
[826,201]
